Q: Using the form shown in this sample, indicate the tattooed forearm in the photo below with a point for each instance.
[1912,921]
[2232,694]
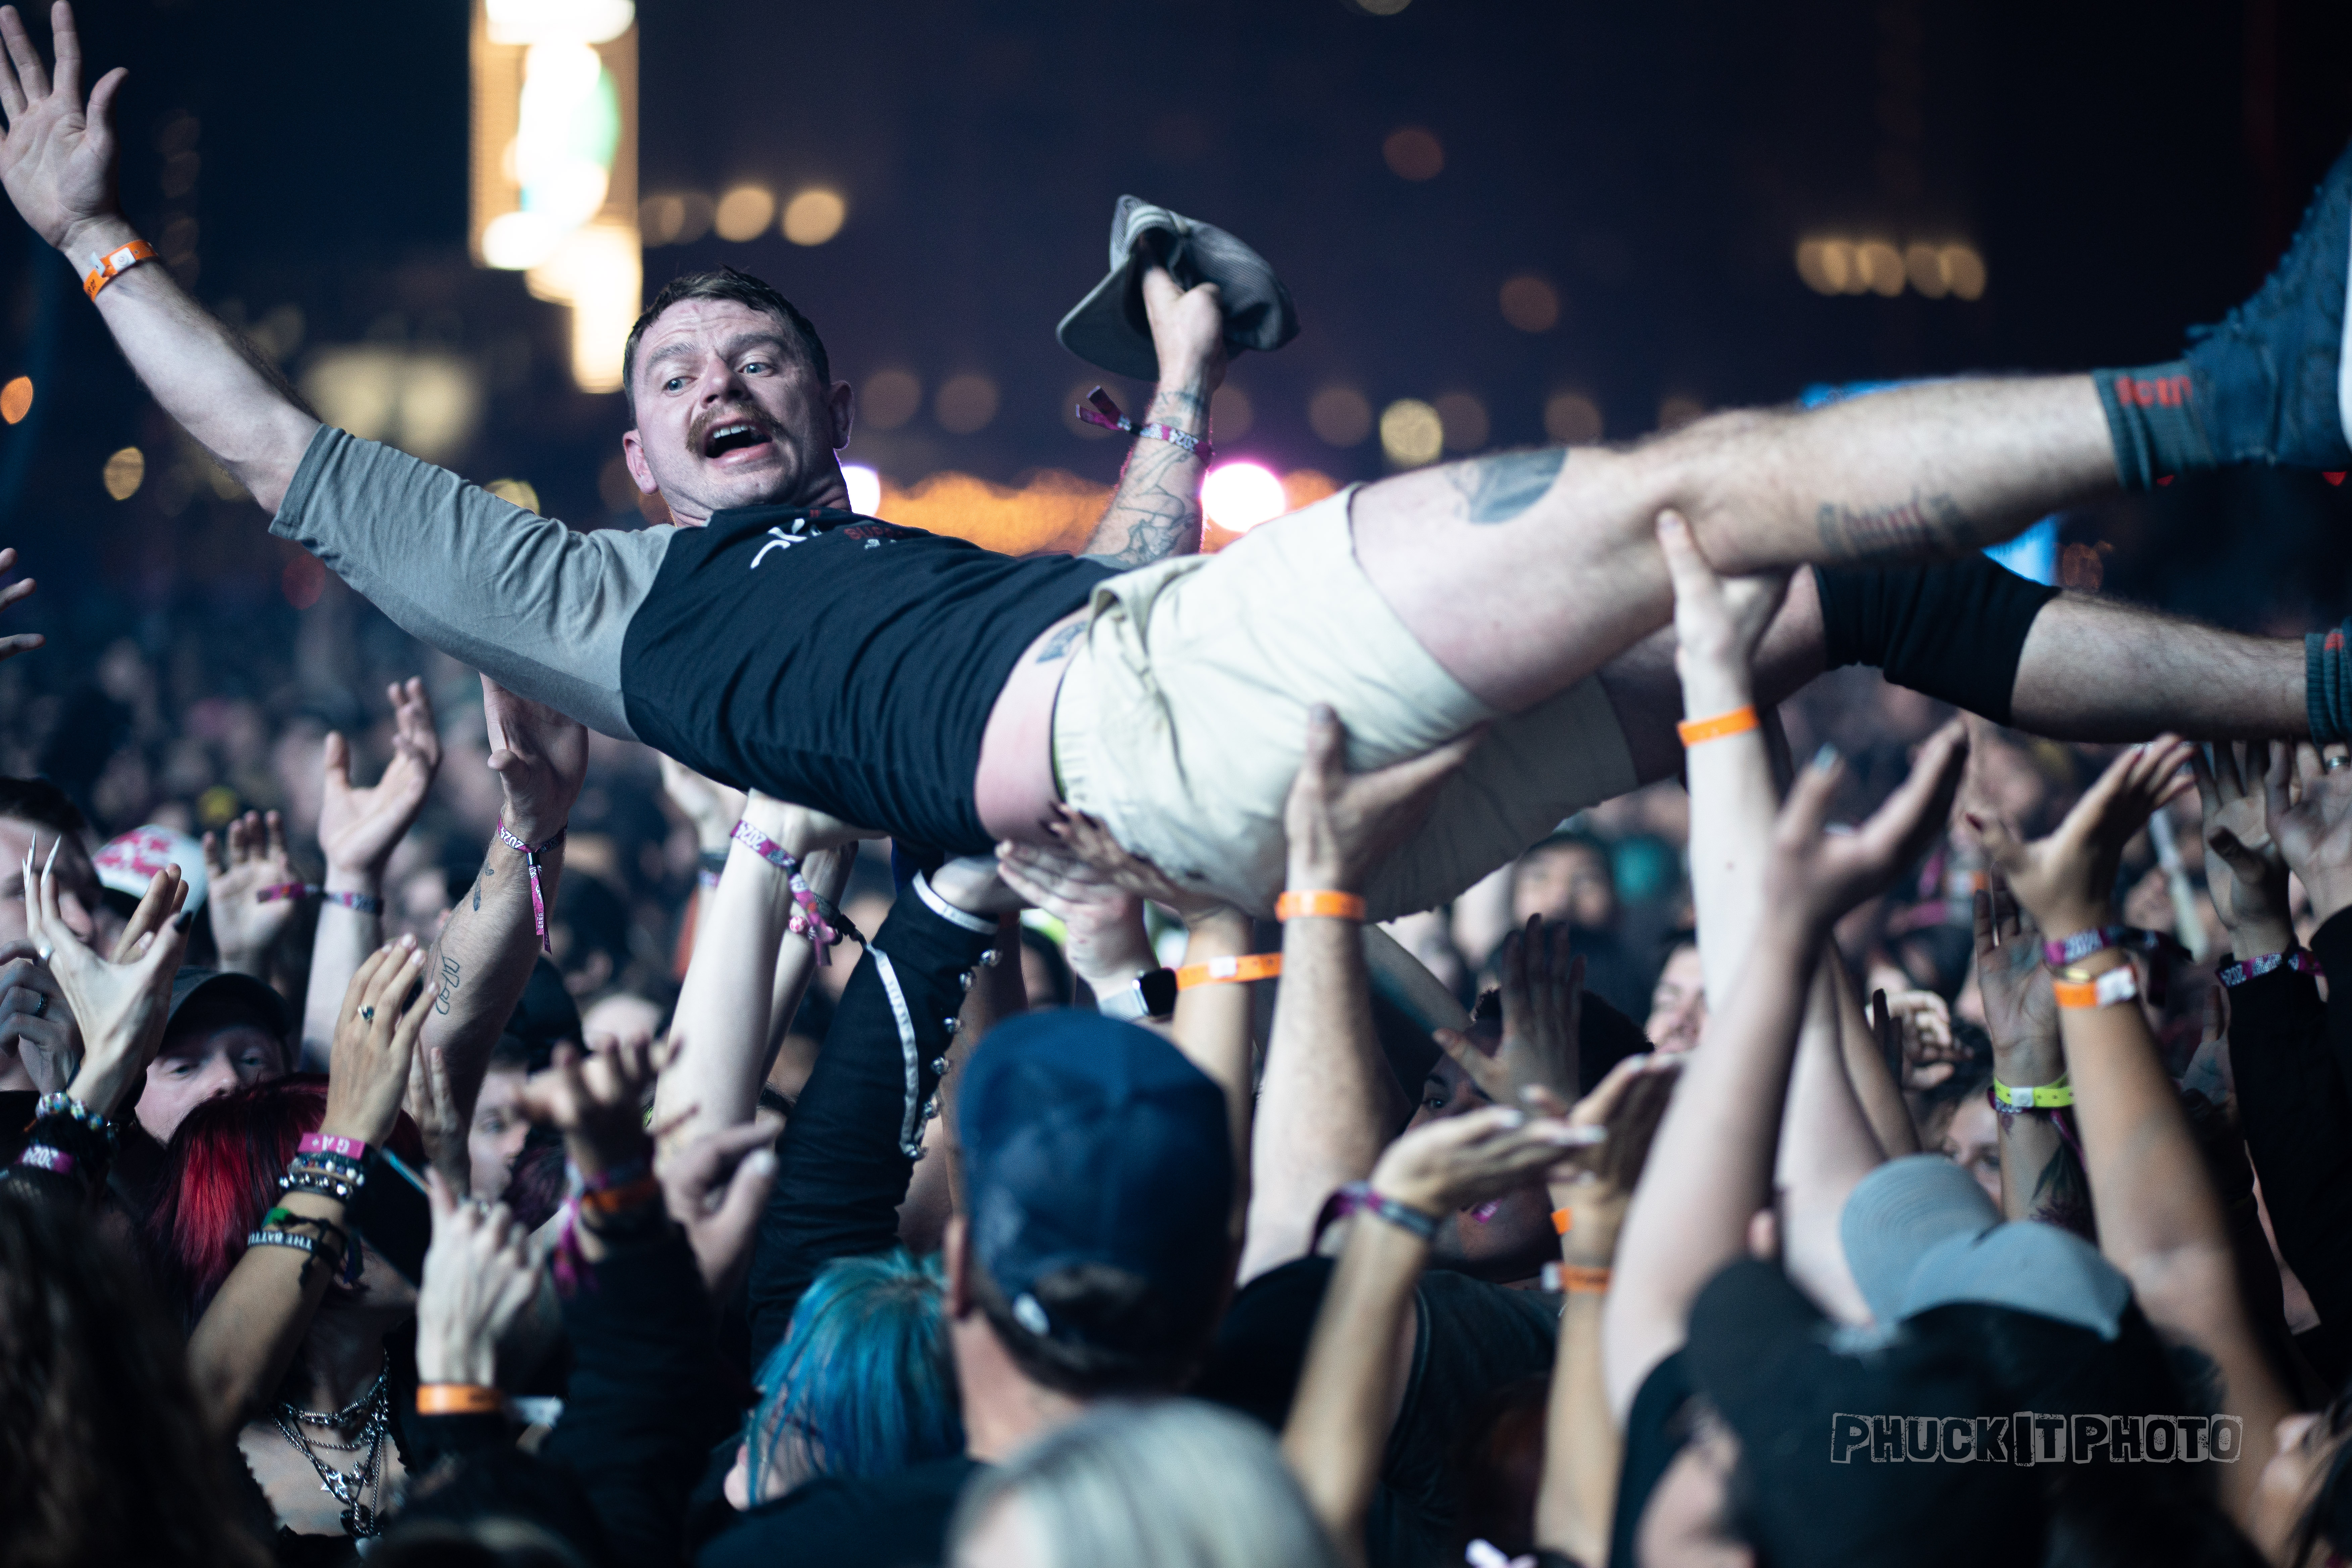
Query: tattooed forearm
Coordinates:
[1156,511]
[1917,529]
[2061,1195]
[1497,489]
[452,975]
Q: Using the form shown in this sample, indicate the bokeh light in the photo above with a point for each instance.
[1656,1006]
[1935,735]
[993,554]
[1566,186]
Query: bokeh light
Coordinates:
[965,403]
[745,212]
[1414,152]
[1677,409]
[1412,433]
[1571,418]
[1880,266]
[125,471]
[1831,265]
[1340,415]
[16,399]
[520,491]
[815,217]
[1964,270]
[1464,419]
[1239,496]
[889,398]
[1530,304]
[864,488]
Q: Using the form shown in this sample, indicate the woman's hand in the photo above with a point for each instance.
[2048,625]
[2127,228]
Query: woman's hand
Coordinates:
[375,1043]
[121,1006]
[360,828]
[445,1125]
[1814,877]
[710,807]
[1457,1160]
[1719,624]
[1104,936]
[2310,818]
[715,1186]
[598,1101]
[2066,881]
[479,1278]
[1087,840]
[2246,874]
[1543,1012]
[255,861]
[2021,1013]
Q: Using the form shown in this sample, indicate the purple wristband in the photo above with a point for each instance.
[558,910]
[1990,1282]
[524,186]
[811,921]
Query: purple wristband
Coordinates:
[820,932]
[41,1157]
[531,853]
[2294,957]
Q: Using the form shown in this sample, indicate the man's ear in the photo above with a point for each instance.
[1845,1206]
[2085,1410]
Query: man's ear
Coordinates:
[955,1258]
[633,452]
[841,401]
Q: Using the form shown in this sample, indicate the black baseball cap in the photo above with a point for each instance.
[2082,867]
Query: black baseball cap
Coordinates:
[1780,1374]
[217,996]
[1091,1142]
[1110,327]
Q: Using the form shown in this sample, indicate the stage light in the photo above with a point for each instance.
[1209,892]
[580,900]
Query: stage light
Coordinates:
[125,471]
[965,403]
[1964,269]
[815,217]
[426,403]
[520,491]
[1571,418]
[889,398]
[1924,265]
[1412,433]
[1830,265]
[1339,415]
[1237,497]
[1414,152]
[660,219]
[545,21]
[1464,419]
[1879,266]
[1304,487]
[1822,264]
[1530,304]
[599,271]
[1230,414]
[864,488]
[745,212]
[16,399]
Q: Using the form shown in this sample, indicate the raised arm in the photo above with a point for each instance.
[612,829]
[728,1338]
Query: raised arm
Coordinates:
[1329,1101]
[1156,510]
[358,831]
[2040,1174]
[58,164]
[2159,1219]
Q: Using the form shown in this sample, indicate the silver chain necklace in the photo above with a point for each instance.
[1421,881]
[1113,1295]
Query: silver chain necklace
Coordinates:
[360,1519]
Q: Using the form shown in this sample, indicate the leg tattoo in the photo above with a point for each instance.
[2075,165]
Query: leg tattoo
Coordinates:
[1497,489]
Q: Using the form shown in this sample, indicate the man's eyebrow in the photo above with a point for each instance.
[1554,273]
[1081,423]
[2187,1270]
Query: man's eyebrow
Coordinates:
[686,348]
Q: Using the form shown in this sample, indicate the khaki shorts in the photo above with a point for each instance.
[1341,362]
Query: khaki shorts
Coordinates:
[1182,719]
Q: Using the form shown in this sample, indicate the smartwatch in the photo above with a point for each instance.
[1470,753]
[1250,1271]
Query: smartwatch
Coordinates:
[1152,995]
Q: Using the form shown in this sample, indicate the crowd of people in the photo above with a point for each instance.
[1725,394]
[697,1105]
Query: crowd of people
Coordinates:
[1690,1103]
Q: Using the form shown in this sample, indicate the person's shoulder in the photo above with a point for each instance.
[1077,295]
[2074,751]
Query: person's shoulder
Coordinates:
[899,1518]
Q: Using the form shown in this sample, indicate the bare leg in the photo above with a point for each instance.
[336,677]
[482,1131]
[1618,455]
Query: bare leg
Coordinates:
[2092,670]
[1525,571]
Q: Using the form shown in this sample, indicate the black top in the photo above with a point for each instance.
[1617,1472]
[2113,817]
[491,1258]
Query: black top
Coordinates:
[899,1520]
[842,663]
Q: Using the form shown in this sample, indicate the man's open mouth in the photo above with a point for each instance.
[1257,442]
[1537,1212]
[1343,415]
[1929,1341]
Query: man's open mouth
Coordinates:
[735,435]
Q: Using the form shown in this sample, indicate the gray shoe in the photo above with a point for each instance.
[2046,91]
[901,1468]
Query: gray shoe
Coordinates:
[1110,328]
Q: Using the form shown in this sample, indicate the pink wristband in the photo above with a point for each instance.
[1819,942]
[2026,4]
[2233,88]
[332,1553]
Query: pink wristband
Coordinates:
[322,1143]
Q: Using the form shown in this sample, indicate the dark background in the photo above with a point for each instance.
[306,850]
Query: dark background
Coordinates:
[2123,169]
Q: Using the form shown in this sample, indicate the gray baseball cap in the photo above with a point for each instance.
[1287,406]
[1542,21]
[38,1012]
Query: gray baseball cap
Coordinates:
[1919,1233]
[1109,327]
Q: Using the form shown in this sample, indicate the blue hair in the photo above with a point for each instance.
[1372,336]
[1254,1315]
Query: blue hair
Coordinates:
[864,1375]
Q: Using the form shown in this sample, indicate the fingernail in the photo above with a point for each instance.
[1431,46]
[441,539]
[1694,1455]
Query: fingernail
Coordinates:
[1487,1210]
[759,1161]
[1825,759]
[1514,1119]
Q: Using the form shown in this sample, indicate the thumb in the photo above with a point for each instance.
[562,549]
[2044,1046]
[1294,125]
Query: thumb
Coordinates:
[337,760]
[1999,842]
[1685,565]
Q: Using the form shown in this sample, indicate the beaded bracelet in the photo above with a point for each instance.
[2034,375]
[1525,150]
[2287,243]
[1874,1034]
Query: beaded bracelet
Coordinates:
[324,1184]
[58,1102]
[1358,1197]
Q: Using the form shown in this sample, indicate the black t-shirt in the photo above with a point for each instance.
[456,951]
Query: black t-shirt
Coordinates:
[1655,1433]
[1472,1339]
[839,662]
[898,1520]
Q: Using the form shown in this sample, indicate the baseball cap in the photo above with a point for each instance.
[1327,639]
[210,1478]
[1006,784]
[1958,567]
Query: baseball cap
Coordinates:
[1092,1144]
[128,862]
[1919,1233]
[1110,327]
[223,995]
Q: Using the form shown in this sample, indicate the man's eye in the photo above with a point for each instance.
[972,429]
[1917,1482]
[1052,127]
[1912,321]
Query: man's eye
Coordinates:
[1433,1101]
[754,366]
[673,384]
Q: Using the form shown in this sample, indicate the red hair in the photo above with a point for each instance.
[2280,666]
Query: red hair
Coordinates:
[221,1177]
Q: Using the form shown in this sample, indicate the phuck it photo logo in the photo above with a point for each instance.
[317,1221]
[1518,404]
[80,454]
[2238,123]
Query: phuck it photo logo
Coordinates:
[2031,1438]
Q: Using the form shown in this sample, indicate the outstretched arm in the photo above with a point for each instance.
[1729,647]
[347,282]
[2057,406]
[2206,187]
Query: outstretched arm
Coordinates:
[57,164]
[1156,510]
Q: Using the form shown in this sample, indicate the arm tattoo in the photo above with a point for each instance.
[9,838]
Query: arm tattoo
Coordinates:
[1497,489]
[2061,1196]
[1917,529]
[451,977]
[1055,648]
[1157,511]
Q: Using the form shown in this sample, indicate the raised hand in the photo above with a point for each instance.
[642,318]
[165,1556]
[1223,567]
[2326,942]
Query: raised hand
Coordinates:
[2310,817]
[254,860]
[715,1186]
[120,1005]
[2020,1014]
[375,1043]
[1920,1026]
[2245,873]
[1104,937]
[444,1122]
[597,1100]
[2066,881]
[479,1278]
[1457,1160]
[541,757]
[1543,1009]
[1718,623]
[1087,840]
[21,642]
[1188,330]
[1341,824]
[1817,877]
[358,828]
[710,807]
[57,160]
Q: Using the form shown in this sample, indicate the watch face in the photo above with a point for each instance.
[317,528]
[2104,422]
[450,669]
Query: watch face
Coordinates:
[1159,989]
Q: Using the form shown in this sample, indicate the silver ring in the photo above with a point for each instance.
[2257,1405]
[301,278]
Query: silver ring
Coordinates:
[2330,764]
[40,1003]
[46,950]
[367,1012]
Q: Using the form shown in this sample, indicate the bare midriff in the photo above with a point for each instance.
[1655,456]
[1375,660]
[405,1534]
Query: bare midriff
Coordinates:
[1014,789]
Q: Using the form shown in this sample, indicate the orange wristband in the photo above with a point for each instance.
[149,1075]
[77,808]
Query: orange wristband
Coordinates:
[627,1195]
[458,1399]
[113,264]
[2112,985]
[1332,906]
[1583,1280]
[1248,967]
[1563,1220]
[1738,721]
